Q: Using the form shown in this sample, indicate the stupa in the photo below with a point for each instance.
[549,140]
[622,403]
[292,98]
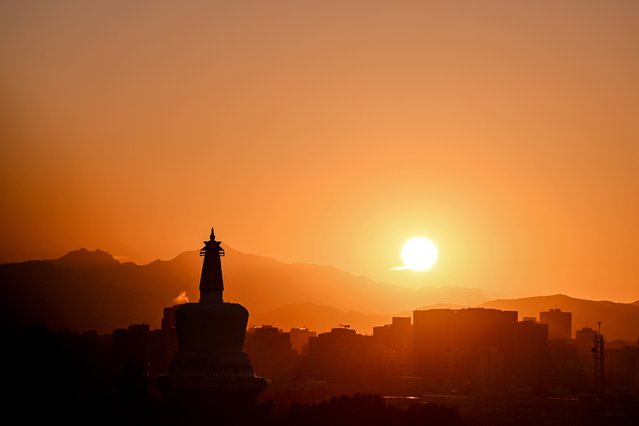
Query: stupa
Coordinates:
[210,376]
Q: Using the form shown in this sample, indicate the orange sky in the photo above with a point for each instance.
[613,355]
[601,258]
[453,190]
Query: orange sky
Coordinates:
[330,132]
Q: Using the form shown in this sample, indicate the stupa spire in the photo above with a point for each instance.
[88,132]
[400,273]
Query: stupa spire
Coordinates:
[211,281]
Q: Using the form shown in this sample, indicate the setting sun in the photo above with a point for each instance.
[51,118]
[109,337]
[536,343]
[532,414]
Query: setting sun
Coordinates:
[419,254]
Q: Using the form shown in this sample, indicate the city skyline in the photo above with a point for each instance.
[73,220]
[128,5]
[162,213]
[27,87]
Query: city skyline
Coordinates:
[206,365]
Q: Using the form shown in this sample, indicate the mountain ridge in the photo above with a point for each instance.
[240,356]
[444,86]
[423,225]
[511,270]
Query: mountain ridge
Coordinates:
[107,293]
[92,290]
[84,258]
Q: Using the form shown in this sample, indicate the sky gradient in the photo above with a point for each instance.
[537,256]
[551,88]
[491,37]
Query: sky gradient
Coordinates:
[330,132]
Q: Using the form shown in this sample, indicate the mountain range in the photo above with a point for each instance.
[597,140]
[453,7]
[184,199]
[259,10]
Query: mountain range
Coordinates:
[92,290]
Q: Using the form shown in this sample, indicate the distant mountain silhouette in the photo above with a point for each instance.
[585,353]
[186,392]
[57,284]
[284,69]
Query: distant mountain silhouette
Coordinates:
[264,284]
[79,299]
[620,320]
[321,318]
[92,290]
[83,258]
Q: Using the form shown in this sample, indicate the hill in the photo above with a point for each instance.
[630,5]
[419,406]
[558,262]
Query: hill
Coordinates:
[92,290]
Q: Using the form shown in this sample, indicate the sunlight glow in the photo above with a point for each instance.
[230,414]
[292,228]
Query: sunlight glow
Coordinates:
[419,254]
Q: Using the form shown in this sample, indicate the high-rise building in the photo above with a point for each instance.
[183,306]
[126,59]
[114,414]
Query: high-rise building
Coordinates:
[132,345]
[584,339]
[270,352]
[299,339]
[465,343]
[559,323]
[395,339]
[526,352]
[343,358]
[210,378]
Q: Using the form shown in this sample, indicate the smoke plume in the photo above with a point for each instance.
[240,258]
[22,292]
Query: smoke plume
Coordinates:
[181,299]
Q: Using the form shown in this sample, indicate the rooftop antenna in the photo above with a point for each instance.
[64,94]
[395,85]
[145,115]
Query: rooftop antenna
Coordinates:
[598,355]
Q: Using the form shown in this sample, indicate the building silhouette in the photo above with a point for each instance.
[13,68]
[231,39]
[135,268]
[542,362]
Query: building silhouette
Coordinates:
[461,346]
[584,339]
[210,379]
[622,368]
[142,347]
[526,352]
[271,352]
[394,342]
[559,323]
[169,333]
[299,339]
[396,337]
[343,358]
[132,345]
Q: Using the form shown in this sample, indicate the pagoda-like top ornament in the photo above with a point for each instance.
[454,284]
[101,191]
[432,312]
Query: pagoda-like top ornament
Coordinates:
[211,281]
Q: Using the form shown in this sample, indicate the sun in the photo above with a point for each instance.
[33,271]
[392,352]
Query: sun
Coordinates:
[419,254]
